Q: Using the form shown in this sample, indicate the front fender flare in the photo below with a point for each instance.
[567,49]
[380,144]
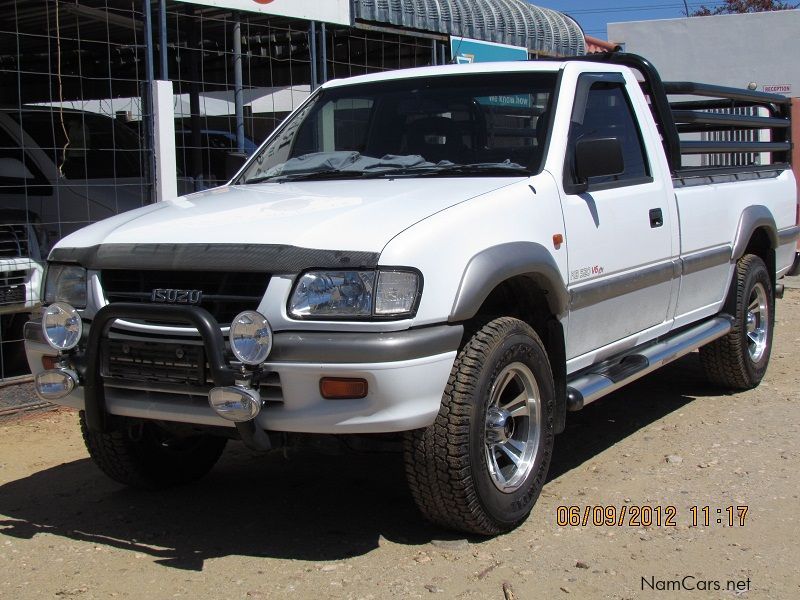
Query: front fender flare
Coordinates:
[492,266]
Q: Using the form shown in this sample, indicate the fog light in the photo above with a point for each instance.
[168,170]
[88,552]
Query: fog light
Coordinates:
[61,326]
[55,384]
[251,337]
[235,403]
[336,388]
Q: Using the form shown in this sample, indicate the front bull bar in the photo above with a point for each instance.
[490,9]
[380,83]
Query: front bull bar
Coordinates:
[208,328]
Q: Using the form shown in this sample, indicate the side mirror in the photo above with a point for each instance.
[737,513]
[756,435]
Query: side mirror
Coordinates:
[597,157]
[233,162]
[12,168]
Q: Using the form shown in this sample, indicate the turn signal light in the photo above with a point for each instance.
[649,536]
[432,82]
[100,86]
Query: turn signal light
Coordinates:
[49,362]
[336,388]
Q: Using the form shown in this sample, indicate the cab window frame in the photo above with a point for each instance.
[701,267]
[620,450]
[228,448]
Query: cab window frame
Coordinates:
[587,82]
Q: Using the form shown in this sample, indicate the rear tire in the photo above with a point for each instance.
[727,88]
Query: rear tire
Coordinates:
[739,360]
[142,455]
[482,464]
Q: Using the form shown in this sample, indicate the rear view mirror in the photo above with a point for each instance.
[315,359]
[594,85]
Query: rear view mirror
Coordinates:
[597,157]
[233,162]
[12,168]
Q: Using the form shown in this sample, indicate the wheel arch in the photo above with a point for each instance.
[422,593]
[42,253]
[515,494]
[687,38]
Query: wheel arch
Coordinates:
[756,234]
[520,280]
[493,266]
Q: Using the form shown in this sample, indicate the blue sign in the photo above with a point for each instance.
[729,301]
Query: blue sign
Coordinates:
[465,50]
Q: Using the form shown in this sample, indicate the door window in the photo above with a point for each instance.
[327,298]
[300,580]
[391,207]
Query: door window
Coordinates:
[609,114]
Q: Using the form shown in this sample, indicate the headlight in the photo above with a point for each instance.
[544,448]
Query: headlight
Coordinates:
[65,283]
[355,294]
[251,337]
[61,326]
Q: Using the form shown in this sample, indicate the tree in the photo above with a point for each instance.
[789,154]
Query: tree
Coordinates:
[744,6]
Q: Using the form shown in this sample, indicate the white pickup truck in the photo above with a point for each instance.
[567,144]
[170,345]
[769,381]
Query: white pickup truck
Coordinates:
[455,256]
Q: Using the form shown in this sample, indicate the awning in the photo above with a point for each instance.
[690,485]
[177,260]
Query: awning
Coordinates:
[515,22]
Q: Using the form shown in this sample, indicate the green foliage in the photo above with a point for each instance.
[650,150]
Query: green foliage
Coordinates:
[744,6]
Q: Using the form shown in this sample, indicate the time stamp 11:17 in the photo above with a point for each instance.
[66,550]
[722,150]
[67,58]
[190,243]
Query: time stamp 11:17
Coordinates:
[633,515]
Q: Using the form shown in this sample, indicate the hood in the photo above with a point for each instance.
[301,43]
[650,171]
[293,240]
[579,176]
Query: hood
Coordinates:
[334,215]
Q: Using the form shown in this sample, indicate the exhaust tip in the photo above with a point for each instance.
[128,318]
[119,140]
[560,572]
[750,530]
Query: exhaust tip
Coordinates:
[234,403]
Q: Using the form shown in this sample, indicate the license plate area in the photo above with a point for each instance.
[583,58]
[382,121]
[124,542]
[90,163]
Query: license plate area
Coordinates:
[154,362]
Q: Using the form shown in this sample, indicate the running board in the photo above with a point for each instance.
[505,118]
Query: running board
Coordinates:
[607,377]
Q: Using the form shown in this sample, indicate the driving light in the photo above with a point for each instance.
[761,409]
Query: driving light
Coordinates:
[251,337]
[65,283]
[61,326]
[235,403]
[55,383]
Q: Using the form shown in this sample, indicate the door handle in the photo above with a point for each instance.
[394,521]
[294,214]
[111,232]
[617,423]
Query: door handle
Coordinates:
[656,218]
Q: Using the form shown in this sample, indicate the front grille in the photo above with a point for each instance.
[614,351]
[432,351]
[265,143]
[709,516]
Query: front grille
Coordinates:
[160,367]
[14,241]
[225,294]
[154,362]
[12,288]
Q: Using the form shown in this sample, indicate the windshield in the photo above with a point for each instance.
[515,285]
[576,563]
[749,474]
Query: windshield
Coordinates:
[464,125]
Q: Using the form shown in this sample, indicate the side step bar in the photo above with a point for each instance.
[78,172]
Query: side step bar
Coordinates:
[608,377]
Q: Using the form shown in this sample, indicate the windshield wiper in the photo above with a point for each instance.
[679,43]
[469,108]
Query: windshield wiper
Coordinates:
[453,169]
[503,168]
[425,170]
[307,176]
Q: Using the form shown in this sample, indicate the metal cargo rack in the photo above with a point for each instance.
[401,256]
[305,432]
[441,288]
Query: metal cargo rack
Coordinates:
[715,111]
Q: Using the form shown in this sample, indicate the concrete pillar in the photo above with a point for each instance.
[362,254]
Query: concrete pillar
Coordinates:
[164,141]
[237,85]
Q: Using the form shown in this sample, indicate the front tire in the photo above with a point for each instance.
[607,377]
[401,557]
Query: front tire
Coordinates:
[141,454]
[739,360]
[482,464]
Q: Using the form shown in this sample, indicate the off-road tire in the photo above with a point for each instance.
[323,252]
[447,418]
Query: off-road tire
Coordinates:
[446,466]
[142,455]
[727,361]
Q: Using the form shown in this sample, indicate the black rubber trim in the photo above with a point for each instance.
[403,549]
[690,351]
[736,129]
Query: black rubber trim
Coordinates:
[627,367]
[339,347]
[363,347]
[617,285]
[267,258]
[207,326]
[706,259]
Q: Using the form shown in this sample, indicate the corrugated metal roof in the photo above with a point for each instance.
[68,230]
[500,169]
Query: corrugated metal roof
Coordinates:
[505,21]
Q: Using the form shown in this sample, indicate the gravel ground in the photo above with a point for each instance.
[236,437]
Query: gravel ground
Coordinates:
[314,526]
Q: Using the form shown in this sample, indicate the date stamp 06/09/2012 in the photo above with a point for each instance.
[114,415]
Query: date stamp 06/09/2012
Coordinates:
[633,515]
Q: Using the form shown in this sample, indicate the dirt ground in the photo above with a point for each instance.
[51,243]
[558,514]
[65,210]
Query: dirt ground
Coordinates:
[316,526]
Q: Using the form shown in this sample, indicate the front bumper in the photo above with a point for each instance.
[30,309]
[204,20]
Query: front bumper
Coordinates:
[406,373]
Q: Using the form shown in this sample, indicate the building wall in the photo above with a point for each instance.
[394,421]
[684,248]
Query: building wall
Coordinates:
[732,50]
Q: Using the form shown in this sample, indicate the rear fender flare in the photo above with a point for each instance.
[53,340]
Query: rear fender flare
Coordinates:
[753,218]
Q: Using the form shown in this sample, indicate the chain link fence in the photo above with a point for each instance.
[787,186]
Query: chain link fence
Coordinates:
[75,124]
